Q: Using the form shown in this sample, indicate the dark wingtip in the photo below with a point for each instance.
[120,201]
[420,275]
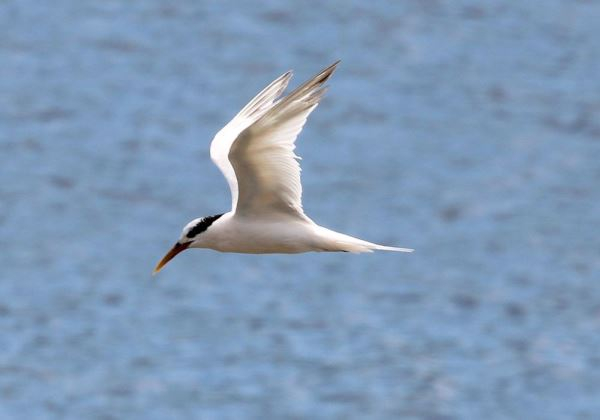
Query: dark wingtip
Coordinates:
[327,72]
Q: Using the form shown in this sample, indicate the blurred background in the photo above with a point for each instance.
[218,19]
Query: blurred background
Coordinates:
[466,130]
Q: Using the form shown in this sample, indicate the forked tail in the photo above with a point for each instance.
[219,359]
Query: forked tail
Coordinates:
[392,248]
[335,241]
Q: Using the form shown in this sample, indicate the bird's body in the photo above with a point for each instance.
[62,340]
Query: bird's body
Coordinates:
[285,235]
[232,233]
[255,152]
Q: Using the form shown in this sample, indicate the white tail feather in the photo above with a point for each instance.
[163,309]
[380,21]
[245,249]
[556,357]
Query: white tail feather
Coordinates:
[364,246]
[393,248]
[335,241]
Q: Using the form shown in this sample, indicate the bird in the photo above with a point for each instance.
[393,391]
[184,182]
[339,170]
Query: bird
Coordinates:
[255,153]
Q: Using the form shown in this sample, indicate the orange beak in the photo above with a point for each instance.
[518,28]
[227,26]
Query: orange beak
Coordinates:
[177,248]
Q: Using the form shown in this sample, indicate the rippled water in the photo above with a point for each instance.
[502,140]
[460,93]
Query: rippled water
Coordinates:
[467,130]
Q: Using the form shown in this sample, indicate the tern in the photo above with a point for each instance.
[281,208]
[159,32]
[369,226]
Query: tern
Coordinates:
[255,153]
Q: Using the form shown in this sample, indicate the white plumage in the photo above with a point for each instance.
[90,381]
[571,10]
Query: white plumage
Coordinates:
[255,153]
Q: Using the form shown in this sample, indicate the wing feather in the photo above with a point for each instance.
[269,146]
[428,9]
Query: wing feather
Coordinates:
[262,156]
[221,144]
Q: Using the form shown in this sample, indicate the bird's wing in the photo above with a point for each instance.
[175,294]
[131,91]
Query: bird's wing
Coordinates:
[262,156]
[221,144]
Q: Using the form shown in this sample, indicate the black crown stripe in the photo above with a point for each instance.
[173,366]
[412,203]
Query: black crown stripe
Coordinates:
[202,225]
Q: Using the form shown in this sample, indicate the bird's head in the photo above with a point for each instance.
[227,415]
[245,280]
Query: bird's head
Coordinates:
[190,237]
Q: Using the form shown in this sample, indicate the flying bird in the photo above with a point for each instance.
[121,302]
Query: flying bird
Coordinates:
[255,153]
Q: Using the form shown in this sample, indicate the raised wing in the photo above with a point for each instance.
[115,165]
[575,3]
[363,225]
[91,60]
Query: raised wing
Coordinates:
[221,144]
[262,156]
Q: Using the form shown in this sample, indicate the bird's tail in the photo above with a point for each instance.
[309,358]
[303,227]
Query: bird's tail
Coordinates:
[392,248]
[335,241]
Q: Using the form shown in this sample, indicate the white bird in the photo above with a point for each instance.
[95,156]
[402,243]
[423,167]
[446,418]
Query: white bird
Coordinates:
[255,152]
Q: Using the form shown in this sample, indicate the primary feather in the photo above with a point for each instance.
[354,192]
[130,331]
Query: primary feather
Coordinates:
[221,144]
[255,151]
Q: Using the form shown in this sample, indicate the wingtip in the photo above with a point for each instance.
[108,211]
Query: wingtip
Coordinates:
[284,79]
[334,65]
[324,75]
[331,68]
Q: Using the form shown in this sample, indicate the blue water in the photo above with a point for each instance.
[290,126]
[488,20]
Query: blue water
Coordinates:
[467,130]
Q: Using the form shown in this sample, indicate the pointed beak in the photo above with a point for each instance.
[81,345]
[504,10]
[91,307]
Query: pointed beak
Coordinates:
[177,248]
